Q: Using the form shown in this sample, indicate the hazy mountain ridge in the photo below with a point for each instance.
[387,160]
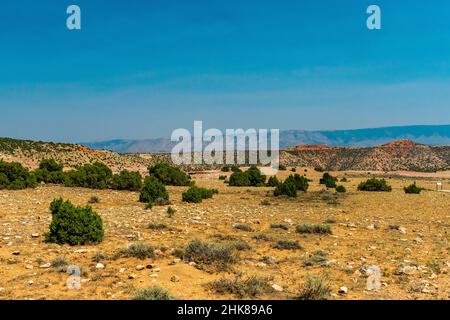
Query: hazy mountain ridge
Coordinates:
[429,135]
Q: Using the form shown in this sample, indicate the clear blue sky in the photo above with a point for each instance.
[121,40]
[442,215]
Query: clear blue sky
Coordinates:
[139,69]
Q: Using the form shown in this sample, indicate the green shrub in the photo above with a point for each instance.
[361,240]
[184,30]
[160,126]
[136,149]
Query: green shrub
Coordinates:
[251,177]
[315,289]
[283,226]
[255,176]
[235,169]
[319,169]
[313,228]
[412,189]
[344,179]
[59,262]
[282,167]
[287,245]
[328,180]
[226,168]
[55,177]
[243,227]
[434,265]
[94,176]
[152,293]
[149,205]
[50,165]
[318,258]
[239,245]
[329,197]
[196,194]
[74,225]
[157,226]
[301,183]
[213,255]
[261,237]
[137,250]
[170,175]
[294,169]
[127,180]
[222,177]
[50,172]
[152,190]
[273,182]
[216,256]
[14,176]
[374,184]
[171,212]
[239,179]
[341,189]
[287,188]
[250,287]
[94,199]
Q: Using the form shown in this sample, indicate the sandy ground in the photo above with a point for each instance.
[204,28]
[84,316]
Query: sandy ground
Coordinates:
[422,246]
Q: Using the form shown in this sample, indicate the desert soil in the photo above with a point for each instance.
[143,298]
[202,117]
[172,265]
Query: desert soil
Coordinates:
[360,237]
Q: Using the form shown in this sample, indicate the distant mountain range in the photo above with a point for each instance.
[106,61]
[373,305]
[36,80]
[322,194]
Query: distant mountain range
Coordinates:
[429,135]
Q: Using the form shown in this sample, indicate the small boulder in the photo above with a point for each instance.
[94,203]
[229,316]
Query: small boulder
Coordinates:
[343,290]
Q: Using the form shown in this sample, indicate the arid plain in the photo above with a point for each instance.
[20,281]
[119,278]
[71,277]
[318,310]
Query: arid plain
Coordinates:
[407,236]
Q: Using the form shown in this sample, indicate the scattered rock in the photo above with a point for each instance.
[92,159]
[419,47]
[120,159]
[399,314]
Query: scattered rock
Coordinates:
[154,275]
[35,235]
[405,270]
[343,290]
[277,288]
[373,273]
[132,276]
[402,230]
[192,263]
[100,266]
[30,282]
[29,266]
[45,265]
[16,253]
[81,251]
[175,279]
[140,267]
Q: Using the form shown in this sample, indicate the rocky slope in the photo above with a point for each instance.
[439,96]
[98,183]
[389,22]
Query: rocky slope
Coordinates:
[30,153]
[393,156]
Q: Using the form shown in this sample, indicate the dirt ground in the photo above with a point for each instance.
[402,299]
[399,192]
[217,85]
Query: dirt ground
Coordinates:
[361,236]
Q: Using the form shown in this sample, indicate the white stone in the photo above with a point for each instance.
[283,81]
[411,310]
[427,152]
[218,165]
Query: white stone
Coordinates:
[100,266]
[277,287]
[343,290]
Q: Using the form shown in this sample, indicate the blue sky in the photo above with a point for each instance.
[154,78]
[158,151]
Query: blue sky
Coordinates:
[139,69]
